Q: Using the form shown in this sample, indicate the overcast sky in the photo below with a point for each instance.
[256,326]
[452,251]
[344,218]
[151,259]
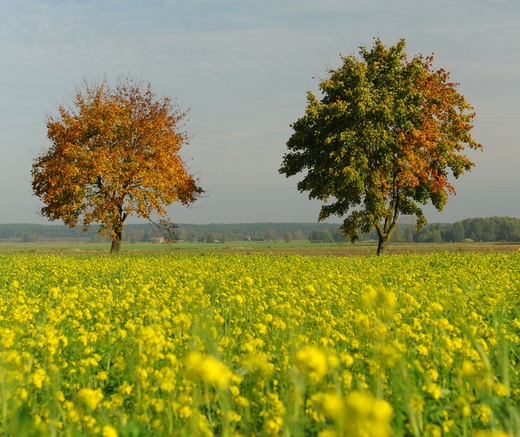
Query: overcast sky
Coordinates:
[243,68]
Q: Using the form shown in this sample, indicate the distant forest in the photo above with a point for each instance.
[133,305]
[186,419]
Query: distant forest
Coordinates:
[472,229]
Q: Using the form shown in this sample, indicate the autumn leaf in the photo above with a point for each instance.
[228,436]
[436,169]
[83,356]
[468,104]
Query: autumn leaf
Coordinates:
[114,153]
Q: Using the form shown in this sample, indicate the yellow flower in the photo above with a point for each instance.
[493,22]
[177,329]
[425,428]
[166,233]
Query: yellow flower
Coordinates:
[333,406]
[417,403]
[234,390]
[167,386]
[501,390]
[433,390]
[436,307]
[484,413]
[102,376]
[432,374]
[91,398]
[109,431]
[125,388]
[390,355]
[328,433]
[432,430]
[346,358]
[467,368]
[387,298]
[209,369]
[38,378]
[185,412]
[232,416]
[422,349]
[273,426]
[380,295]
[367,416]
[242,401]
[158,404]
[369,296]
[489,433]
[312,361]
[259,362]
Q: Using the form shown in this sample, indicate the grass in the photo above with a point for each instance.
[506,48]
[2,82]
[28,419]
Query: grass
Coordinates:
[262,247]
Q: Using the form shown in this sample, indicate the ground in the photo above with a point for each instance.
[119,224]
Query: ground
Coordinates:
[245,247]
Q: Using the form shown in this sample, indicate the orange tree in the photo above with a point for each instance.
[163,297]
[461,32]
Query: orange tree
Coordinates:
[382,140]
[114,153]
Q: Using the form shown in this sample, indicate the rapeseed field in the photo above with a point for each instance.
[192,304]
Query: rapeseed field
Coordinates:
[260,345]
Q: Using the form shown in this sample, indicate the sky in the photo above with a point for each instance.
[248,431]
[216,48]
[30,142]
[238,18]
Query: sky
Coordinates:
[242,68]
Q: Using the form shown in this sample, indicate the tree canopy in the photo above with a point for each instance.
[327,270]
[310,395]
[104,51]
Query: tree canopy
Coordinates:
[115,152]
[383,140]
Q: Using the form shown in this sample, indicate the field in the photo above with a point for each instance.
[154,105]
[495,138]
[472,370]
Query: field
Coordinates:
[239,343]
[297,247]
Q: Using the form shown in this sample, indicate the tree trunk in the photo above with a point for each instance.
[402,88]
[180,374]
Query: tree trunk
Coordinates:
[116,241]
[117,235]
[385,236]
[387,228]
[382,245]
[116,245]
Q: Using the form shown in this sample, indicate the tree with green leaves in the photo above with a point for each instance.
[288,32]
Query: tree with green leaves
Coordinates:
[457,232]
[382,141]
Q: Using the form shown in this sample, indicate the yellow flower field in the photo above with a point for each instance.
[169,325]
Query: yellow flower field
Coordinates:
[254,345]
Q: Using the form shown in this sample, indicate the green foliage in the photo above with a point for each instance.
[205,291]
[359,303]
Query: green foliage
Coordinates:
[381,141]
[457,232]
[321,237]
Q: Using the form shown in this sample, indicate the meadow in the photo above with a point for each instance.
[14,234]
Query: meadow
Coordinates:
[236,344]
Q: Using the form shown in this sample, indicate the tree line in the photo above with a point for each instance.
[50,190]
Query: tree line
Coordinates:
[488,229]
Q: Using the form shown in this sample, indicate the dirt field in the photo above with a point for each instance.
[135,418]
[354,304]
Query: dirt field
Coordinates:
[239,247]
[345,249]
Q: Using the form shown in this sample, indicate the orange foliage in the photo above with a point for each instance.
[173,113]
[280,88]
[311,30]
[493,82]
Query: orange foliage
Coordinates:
[444,125]
[114,153]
